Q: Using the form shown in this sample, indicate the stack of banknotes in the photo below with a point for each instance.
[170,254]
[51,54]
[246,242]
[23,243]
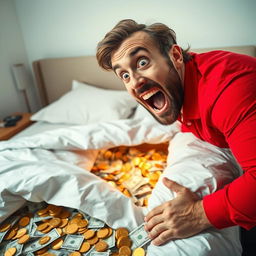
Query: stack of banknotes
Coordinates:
[49,230]
[133,172]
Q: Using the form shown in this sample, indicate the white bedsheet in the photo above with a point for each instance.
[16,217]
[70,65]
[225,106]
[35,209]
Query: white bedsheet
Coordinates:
[51,166]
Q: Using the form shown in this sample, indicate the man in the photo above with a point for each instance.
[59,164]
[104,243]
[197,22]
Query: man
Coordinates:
[213,95]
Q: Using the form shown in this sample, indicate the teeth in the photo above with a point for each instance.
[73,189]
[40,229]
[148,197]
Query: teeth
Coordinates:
[149,94]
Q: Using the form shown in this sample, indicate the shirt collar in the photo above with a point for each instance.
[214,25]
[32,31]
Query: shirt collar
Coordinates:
[190,109]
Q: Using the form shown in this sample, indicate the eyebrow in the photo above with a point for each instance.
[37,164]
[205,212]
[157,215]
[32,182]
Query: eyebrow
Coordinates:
[131,54]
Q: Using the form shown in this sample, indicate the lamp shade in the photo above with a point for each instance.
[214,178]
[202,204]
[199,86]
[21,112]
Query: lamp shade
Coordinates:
[20,76]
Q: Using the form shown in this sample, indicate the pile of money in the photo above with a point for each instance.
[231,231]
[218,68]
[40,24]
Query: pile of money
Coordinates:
[132,171]
[50,230]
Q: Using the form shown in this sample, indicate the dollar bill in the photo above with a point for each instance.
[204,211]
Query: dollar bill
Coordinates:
[139,236]
[60,252]
[134,183]
[15,244]
[99,253]
[95,223]
[72,242]
[38,218]
[35,246]
[89,252]
[111,240]
[30,254]
[2,235]
[34,232]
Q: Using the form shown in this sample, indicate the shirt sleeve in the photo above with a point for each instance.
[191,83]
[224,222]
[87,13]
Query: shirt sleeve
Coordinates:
[234,115]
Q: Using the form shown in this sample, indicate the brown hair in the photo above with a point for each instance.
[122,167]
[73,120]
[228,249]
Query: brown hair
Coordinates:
[163,36]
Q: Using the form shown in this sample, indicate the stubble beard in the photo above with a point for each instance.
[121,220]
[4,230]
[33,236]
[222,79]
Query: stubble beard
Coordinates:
[174,91]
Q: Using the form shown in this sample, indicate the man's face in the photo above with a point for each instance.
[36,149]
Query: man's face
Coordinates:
[149,77]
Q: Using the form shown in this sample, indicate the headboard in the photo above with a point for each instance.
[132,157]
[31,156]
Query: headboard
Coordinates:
[54,76]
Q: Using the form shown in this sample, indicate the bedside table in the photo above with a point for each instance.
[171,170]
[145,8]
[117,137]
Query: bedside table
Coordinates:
[7,132]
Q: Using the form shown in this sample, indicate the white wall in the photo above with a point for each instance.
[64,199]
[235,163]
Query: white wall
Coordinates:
[12,51]
[58,28]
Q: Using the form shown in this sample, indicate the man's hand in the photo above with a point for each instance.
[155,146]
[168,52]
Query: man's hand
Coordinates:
[181,217]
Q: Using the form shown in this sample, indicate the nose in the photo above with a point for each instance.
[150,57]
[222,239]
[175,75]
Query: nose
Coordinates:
[137,81]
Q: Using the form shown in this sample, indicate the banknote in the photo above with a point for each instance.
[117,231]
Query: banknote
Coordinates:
[139,236]
[15,244]
[34,232]
[60,252]
[95,223]
[89,252]
[2,234]
[73,242]
[35,246]
[111,240]
[100,253]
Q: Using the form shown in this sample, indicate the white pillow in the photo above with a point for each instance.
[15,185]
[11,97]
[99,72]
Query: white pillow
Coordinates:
[86,104]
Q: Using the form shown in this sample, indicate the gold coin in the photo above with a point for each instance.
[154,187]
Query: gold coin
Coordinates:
[59,230]
[42,212]
[63,223]
[82,223]
[74,220]
[10,234]
[139,252]
[56,245]
[55,222]
[123,241]
[48,254]
[75,254]
[101,246]
[54,210]
[44,240]
[47,230]
[89,234]
[85,247]
[127,193]
[153,176]
[10,252]
[93,240]
[121,232]
[41,251]
[108,154]
[82,230]
[23,222]
[71,228]
[24,239]
[125,250]
[64,214]
[21,232]
[102,233]
[42,226]
[110,232]
[5,227]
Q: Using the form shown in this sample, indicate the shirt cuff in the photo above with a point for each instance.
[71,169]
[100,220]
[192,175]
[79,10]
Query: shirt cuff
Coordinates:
[216,209]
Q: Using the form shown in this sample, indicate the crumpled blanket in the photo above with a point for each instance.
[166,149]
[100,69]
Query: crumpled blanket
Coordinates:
[51,167]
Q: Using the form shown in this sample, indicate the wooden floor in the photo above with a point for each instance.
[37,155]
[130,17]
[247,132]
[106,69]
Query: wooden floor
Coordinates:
[248,240]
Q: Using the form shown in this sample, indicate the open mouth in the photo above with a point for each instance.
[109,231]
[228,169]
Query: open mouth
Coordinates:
[155,99]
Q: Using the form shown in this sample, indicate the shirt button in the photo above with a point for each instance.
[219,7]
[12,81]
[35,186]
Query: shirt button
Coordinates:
[189,123]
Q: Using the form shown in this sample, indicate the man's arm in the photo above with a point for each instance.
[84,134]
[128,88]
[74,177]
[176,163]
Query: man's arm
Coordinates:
[234,115]
[181,217]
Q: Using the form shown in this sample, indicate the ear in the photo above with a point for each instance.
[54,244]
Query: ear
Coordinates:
[175,54]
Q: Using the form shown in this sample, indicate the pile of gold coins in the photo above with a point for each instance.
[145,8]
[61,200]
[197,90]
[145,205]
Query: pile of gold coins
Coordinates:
[131,170]
[59,231]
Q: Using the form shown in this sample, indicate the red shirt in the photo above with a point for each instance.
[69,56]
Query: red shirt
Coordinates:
[220,108]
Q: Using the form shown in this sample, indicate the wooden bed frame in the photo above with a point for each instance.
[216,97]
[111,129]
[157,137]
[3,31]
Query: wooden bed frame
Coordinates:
[54,76]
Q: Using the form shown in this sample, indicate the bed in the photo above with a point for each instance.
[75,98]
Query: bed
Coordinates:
[86,110]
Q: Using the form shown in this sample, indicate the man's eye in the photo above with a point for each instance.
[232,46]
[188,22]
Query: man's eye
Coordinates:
[143,62]
[125,76]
